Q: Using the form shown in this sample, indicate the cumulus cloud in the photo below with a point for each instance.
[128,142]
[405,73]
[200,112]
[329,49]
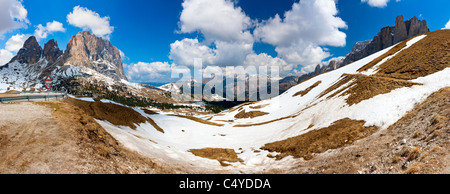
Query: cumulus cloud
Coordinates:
[232,53]
[377,3]
[216,20]
[183,52]
[141,71]
[300,35]
[13,15]
[89,20]
[447,26]
[15,43]
[224,54]
[225,27]
[42,32]
[55,27]
[263,59]
[5,56]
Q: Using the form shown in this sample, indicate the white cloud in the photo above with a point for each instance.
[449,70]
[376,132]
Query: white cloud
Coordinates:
[232,53]
[216,20]
[123,56]
[141,71]
[302,52]
[5,56]
[300,35]
[42,32]
[55,27]
[183,52]
[225,28]
[224,54]
[447,26]
[377,3]
[15,43]
[89,20]
[263,59]
[13,15]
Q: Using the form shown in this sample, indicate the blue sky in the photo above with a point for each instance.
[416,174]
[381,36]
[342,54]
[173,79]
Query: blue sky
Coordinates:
[155,34]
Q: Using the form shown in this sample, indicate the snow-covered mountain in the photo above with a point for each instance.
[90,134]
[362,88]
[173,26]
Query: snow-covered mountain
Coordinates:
[86,55]
[371,94]
[89,66]
[388,36]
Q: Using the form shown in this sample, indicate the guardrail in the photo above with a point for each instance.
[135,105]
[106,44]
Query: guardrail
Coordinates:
[31,97]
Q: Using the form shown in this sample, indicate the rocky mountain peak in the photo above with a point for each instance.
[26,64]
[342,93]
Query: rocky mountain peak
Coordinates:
[31,43]
[87,50]
[360,45]
[389,36]
[400,29]
[51,51]
[30,53]
[415,26]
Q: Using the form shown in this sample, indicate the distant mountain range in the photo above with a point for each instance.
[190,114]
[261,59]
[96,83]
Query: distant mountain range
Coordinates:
[91,60]
[89,66]
[385,113]
[86,55]
[388,36]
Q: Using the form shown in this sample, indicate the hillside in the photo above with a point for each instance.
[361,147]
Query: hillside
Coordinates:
[90,66]
[388,36]
[385,113]
[57,137]
[350,108]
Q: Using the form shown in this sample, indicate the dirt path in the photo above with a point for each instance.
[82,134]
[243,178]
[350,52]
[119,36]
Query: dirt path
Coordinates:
[54,137]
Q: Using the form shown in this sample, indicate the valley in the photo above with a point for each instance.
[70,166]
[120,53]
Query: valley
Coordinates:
[383,108]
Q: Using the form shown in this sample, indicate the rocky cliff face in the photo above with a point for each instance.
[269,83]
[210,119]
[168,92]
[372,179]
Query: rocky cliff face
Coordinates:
[30,53]
[51,51]
[400,29]
[88,50]
[415,27]
[86,55]
[388,36]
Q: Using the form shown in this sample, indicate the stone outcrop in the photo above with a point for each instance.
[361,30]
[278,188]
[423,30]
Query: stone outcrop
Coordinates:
[30,53]
[415,27]
[84,50]
[87,50]
[400,32]
[388,36]
[360,45]
[51,51]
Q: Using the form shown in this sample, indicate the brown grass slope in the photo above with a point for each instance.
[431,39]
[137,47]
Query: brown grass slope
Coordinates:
[392,51]
[304,92]
[58,137]
[220,154]
[363,87]
[428,56]
[199,120]
[418,143]
[250,114]
[113,113]
[341,133]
